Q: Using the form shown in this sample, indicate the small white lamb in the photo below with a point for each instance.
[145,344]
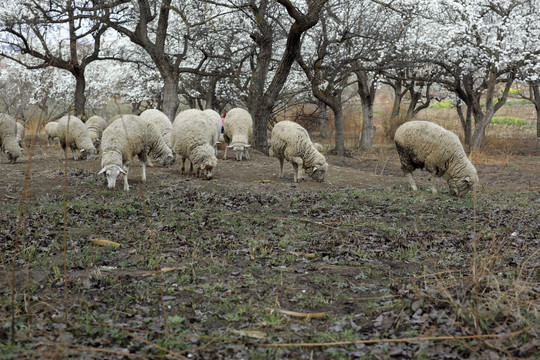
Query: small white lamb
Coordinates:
[193,136]
[291,142]
[424,144]
[73,132]
[8,137]
[238,129]
[126,137]
[50,131]
[96,125]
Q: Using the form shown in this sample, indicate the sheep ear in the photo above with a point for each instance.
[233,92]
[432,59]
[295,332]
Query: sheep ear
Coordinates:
[248,145]
[315,168]
[230,147]
[102,171]
[122,170]
[203,165]
[467,180]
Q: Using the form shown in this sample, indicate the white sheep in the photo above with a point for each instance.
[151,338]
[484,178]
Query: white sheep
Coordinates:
[291,142]
[8,137]
[219,124]
[422,144]
[20,133]
[126,137]
[162,121]
[73,132]
[50,131]
[193,136]
[96,125]
[237,130]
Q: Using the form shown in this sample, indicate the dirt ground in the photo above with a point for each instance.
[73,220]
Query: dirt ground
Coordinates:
[515,169]
[349,256]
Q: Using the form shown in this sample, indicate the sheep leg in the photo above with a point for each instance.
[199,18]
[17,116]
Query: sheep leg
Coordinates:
[281,160]
[297,164]
[225,153]
[126,185]
[183,166]
[410,179]
[247,153]
[433,183]
[143,169]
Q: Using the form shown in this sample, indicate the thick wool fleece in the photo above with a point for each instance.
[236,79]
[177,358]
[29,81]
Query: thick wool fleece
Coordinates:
[78,137]
[422,144]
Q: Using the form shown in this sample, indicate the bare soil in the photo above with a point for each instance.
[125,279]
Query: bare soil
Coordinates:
[350,255]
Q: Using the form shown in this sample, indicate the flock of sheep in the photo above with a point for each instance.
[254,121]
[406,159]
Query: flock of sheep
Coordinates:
[195,134]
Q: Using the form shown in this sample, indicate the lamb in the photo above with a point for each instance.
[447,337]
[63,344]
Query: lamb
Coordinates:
[126,137]
[291,142]
[77,138]
[218,121]
[20,133]
[193,136]
[237,130]
[8,137]
[161,121]
[50,131]
[96,125]
[424,144]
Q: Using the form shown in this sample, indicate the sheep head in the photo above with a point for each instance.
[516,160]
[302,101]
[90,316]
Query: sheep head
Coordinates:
[460,187]
[111,173]
[239,150]
[318,171]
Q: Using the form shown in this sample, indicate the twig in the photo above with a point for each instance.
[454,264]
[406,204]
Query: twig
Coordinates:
[413,339]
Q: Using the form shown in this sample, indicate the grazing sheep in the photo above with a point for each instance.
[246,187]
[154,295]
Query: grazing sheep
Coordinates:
[126,137]
[219,123]
[424,144]
[20,133]
[161,121]
[237,130]
[77,138]
[193,136]
[50,131]
[8,137]
[291,142]
[96,125]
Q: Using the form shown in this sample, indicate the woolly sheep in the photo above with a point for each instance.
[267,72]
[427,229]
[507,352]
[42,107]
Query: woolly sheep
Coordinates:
[8,137]
[77,138]
[50,131]
[424,144]
[20,133]
[126,137]
[96,125]
[162,121]
[291,142]
[193,136]
[237,130]
[219,123]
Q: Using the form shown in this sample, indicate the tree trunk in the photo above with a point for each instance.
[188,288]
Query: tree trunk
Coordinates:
[368,129]
[466,124]
[170,97]
[80,97]
[323,121]
[397,99]
[340,131]
[535,89]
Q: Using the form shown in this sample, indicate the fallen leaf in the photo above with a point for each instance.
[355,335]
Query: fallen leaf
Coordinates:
[250,333]
[302,315]
[164,270]
[103,242]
